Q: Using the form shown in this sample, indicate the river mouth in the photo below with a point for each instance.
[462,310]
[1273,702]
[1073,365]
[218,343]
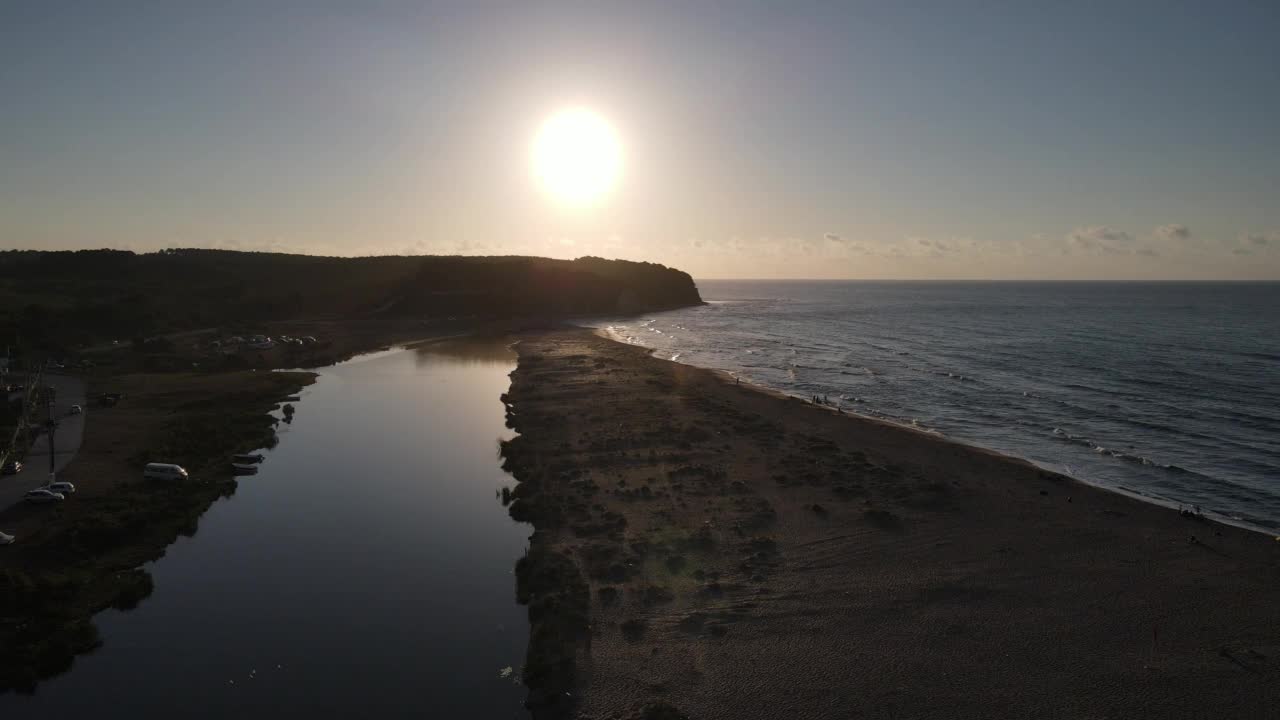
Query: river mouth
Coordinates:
[366,568]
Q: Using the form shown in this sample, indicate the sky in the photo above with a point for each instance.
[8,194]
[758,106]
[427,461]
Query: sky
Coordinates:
[956,140]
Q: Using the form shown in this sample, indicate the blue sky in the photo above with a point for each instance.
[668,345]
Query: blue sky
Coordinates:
[952,140]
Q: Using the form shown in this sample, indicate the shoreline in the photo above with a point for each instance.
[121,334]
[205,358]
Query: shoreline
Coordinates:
[727,538]
[728,377]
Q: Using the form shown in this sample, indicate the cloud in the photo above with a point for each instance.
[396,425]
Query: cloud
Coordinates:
[937,247]
[1263,239]
[1097,240]
[1100,239]
[1173,231]
[269,246]
[828,245]
[952,246]
[1256,242]
[464,246]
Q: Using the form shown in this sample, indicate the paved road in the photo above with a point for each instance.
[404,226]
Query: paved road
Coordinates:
[35,468]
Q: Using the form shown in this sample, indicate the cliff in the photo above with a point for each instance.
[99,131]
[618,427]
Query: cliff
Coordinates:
[52,299]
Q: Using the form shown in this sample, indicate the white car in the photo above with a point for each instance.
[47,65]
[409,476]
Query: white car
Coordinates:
[61,487]
[5,539]
[164,471]
[41,496]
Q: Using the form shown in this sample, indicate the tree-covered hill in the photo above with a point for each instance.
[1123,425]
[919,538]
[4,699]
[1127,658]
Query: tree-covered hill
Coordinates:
[70,298]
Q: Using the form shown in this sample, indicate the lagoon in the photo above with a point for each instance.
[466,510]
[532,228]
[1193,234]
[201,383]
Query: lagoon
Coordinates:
[366,569]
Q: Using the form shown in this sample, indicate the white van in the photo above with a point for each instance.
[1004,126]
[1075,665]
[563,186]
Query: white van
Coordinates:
[164,471]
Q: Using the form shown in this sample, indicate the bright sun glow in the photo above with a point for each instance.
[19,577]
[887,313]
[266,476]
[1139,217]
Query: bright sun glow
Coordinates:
[576,157]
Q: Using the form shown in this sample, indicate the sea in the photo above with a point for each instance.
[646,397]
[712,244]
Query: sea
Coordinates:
[1165,390]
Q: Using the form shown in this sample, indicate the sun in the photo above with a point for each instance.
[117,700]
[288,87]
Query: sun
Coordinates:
[577,158]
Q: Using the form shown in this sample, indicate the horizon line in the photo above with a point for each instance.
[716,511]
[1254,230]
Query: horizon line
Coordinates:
[994,280]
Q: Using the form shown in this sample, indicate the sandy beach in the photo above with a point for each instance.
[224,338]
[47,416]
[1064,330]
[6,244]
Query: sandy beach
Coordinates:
[709,550]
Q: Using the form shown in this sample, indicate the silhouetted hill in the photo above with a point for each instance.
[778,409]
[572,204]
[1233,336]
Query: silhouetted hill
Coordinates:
[529,286]
[68,298]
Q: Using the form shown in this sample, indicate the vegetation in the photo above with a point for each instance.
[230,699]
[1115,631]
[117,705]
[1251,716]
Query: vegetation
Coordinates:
[559,603]
[61,300]
[206,428]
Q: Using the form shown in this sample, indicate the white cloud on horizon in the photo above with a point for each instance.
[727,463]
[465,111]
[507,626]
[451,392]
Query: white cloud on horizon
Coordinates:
[1100,239]
[1251,243]
[1173,231]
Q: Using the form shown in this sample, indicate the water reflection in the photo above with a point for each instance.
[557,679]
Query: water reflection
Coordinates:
[470,350]
[365,570]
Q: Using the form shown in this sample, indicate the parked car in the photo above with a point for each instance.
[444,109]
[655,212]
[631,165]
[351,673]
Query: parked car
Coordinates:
[6,539]
[76,409]
[40,496]
[164,471]
[13,467]
[61,486]
[247,458]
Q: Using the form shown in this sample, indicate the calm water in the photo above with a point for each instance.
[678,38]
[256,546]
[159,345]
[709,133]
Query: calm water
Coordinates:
[366,571]
[1169,390]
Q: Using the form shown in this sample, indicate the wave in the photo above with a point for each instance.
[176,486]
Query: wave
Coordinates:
[1130,457]
[992,375]
[1274,357]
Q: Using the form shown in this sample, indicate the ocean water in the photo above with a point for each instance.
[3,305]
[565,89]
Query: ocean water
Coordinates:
[1166,390]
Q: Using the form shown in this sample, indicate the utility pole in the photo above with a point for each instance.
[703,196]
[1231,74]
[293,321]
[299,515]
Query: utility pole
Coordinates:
[52,425]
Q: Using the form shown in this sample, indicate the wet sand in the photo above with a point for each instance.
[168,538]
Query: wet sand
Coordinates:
[733,553]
